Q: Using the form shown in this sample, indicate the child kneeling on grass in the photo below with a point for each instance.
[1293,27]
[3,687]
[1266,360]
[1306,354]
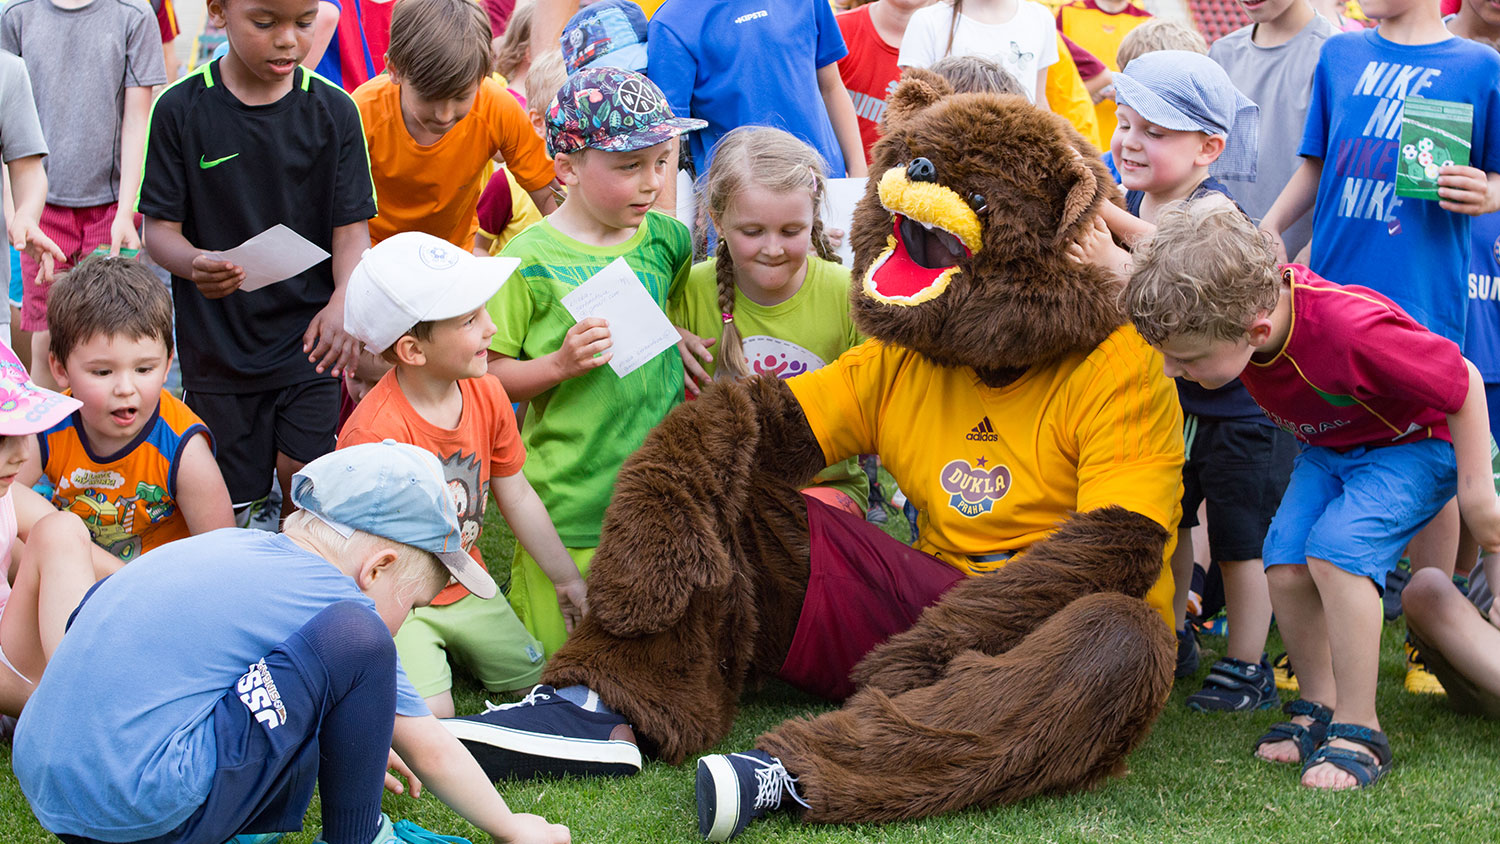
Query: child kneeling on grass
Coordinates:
[1384,409]
[247,666]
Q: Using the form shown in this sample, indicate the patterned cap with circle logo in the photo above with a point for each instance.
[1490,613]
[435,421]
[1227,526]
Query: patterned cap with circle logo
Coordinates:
[611,109]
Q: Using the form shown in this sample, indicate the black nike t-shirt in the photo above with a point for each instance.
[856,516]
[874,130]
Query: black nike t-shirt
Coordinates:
[228,171]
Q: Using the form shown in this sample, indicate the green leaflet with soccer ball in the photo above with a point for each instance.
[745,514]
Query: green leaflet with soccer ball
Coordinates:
[1434,133]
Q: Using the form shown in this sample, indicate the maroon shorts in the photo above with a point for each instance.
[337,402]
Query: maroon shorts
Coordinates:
[77,232]
[863,588]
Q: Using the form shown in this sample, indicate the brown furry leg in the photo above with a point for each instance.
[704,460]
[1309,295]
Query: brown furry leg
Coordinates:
[1059,712]
[680,688]
[1106,550]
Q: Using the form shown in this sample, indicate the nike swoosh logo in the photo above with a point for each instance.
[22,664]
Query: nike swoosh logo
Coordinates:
[204,165]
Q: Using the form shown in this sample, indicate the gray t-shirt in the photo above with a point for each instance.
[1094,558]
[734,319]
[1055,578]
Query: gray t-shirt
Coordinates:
[1279,80]
[81,61]
[20,130]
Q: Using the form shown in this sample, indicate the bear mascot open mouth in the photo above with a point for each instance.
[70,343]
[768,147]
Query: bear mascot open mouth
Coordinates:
[1021,647]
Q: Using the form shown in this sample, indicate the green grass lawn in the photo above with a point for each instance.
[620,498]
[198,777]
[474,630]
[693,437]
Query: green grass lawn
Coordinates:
[1193,781]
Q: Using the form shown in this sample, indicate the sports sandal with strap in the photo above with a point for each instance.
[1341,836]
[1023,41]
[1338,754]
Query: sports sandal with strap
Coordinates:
[1308,738]
[1367,769]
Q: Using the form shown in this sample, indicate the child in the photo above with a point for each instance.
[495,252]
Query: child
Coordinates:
[207,750]
[436,119]
[27,517]
[134,462]
[872,32]
[1272,62]
[22,148]
[511,48]
[712,61]
[1019,34]
[1099,26]
[440,397]
[1179,118]
[1458,635]
[239,145]
[1415,251]
[584,419]
[504,209]
[92,65]
[1376,399]
[765,302]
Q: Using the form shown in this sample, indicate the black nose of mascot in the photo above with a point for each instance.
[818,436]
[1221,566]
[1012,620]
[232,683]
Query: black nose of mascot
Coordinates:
[921,170]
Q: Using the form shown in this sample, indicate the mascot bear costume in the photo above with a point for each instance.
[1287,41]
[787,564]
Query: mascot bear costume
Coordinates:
[1021,647]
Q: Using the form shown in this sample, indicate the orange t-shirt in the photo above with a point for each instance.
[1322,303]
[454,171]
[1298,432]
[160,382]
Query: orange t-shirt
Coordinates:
[435,188]
[485,444]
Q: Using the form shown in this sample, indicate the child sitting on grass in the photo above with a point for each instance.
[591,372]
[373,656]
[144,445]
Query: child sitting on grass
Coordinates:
[418,301]
[206,749]
[1392,420]
[135,463]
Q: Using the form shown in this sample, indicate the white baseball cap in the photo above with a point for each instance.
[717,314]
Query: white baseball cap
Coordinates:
[394,490]
[415,277]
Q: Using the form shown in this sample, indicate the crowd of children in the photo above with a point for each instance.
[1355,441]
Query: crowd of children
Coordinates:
[466,166]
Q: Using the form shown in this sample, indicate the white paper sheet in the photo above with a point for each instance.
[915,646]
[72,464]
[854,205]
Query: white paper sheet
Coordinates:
[638,330]
[276,254]
[839,200]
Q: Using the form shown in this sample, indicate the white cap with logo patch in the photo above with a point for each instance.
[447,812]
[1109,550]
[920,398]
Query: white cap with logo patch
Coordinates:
[415,277]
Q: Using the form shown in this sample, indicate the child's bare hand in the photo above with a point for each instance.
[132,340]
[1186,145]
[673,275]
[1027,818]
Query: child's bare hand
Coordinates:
[573,600]
[522,828]
[1495,613]
[835,237]
[1466,190]
[393,785]
[26,236]
[693,348]
[327,344]
[585,347]
[216,278]
[123,235]
[1097,246]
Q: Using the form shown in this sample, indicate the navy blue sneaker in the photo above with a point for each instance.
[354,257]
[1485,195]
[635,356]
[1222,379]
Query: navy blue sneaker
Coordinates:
[1234,685]
[546,736]
[1187,653]
[736,788]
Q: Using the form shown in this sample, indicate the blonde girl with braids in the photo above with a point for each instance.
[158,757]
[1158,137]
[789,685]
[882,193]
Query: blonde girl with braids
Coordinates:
[774,299]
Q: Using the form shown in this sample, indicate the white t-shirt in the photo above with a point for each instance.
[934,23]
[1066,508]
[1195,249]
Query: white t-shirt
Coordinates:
[1024,45]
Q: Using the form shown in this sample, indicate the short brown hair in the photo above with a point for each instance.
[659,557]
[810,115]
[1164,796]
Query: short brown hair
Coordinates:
[422,331]
[1207,270]
[439,47]
[976,75]
[114,297]
[1159,34]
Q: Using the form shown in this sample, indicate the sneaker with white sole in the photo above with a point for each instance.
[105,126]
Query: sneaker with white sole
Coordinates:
[401,832]
[737,788]
[544,735]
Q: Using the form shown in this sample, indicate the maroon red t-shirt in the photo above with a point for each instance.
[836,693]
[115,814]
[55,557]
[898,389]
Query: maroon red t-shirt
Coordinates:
[1356,370]
[869,71]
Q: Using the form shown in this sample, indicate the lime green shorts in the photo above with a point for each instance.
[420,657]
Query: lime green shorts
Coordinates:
[535,601]
[484,637]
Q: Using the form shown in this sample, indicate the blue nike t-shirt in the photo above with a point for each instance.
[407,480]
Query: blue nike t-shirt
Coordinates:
[1482,334]
[1407,249]
[117,743]
[747,62]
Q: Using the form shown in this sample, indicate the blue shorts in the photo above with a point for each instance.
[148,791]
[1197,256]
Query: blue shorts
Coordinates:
[16,286]
[1358,509]
[266,728]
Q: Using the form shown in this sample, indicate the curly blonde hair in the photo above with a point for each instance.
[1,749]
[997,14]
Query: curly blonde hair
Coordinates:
[1206,271]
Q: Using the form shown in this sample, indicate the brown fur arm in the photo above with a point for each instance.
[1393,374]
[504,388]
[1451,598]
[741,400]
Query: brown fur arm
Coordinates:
[1110,549]
[679,501]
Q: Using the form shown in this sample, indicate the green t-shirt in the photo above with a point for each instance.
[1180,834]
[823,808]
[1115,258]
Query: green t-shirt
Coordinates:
[799,335]
[578,433]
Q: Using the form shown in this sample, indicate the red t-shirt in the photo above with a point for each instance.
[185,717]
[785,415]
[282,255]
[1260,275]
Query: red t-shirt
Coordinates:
[485,444]
[869,71]
[1356,370]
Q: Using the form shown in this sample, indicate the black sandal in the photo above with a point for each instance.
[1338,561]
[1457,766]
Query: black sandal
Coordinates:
[1308,738]
[1366,768]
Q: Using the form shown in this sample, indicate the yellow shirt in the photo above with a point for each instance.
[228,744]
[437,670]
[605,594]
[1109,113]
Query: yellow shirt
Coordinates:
[1100,33]
[994,470]
[1067,96]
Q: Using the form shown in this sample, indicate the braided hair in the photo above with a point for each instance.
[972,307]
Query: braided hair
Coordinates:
[771,159]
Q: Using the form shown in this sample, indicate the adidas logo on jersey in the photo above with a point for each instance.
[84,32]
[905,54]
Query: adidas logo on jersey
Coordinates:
[984,432]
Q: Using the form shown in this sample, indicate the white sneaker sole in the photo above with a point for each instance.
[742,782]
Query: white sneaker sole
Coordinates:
[571,755]
[726,797]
